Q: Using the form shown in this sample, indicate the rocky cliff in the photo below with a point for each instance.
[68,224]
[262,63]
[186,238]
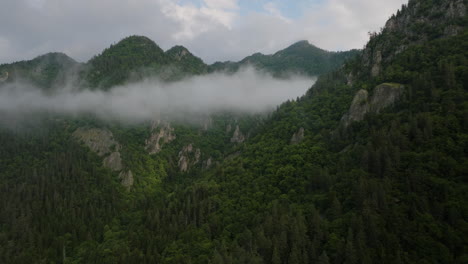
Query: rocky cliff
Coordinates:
[237,137]
[415,23]
[162,133]
[102,142]
[188,157]
[383,95]
[298,136]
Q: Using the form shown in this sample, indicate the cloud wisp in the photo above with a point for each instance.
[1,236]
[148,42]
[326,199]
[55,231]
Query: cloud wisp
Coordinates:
[247,91]
[212,29]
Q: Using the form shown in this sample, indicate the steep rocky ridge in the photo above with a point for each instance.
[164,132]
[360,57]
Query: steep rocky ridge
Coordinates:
[189,157]
[383,95]
[415,23]
[162,133]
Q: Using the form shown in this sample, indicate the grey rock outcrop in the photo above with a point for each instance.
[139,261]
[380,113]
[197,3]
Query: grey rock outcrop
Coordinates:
[375,71]
[188,157]
[102,142]
[98,140]
[298,136]
[126,179]
[237,137]
[207,163]
[161,134]
[113,161]
[4,77]
[383,96]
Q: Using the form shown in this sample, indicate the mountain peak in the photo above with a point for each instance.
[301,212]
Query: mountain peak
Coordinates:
[179,52]
[55,57]
[136,39]
[417,22]
[115,64]
[302,43]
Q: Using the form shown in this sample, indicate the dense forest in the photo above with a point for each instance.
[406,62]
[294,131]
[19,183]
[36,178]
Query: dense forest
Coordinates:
[369,166]
[299,58]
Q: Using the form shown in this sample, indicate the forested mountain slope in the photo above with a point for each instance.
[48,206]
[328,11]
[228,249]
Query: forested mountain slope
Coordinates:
[299,58]
[368,167]
[137,57]
[50,70]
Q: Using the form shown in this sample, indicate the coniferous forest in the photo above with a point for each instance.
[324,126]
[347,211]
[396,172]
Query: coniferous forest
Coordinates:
[369,166]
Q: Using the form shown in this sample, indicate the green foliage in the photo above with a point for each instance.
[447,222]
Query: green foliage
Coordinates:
[47,71]
[299,58]
[391,188]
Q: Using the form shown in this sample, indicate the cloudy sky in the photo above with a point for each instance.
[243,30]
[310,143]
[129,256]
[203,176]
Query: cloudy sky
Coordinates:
[212,29]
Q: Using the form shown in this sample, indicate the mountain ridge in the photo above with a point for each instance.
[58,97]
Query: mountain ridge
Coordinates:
[364,168]
[300,57]
[136,57]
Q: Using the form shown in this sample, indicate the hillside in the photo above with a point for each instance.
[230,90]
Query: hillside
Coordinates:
[299,58]
[46,71]
[369,166]
[137,57]
[116,63]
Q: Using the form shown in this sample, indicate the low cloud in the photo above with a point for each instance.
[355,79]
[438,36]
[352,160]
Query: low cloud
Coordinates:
[247,91]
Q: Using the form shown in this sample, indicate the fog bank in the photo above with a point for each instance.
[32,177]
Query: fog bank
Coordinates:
[247,91]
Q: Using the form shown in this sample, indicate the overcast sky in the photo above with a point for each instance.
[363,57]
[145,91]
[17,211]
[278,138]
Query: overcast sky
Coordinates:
[212,29]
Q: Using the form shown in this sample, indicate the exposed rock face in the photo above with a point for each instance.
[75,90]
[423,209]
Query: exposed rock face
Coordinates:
[377,63]
[4,77]
[359,108]
[158,138]
[188,157]
[207,163]
[383,96]
[183,163]
[126,179]
[237,137]
[413,24]
[181,54]
[298,136]
[102,142]
[98,140]
[113,161]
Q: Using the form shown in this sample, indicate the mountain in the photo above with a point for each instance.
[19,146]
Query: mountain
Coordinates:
[369,166]
[48,70]
[301,57]
[116,63]
[186,60]
[136,57]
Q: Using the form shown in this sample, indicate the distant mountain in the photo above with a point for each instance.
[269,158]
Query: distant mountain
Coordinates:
[301,57]
[46,71]
[137,57]
[187,62]
[369,166]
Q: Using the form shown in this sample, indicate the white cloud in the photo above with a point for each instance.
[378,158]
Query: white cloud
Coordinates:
[221,4]
[213,30]
[245,91]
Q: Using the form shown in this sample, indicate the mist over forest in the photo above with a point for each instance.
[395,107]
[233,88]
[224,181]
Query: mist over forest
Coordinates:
[246,91]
